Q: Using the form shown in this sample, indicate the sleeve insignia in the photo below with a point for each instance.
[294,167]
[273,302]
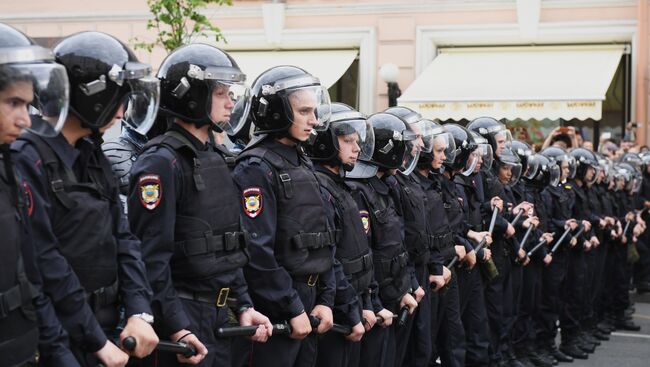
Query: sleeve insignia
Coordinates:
[150,191]
[252,201]
[365,220]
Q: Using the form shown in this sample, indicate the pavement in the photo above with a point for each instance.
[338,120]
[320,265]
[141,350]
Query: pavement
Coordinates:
[624,349]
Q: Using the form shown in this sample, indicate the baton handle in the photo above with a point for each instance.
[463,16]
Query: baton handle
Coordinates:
[560,240]
[403,316]
[526,235]
[514,221]
[539,244]
[187,350]
[493,220]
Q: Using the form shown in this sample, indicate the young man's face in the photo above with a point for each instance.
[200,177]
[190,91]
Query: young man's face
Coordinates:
[222,104]
[349,148]
[439,146]
[14,115]
[565,170]
[500,140]
[303,104]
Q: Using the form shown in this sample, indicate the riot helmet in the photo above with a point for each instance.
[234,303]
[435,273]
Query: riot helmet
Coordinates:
[105,76]
[523,151]
[494,131]
[547,172]
[286,94]
[394,142]
[28,72]
[508,167]
[484,152]
[465,156]
[203,85]
[565,162]
[587,166]
[347,126]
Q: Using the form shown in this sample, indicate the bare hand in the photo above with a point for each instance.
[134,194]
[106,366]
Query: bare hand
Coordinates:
[571,223]
[356,334]
[460,252]
[191,339]
[146,339]
[510,231]
[438,280]
[112,356]
[409,301]
[369,319]
[496,202]
[547,260]
[587,225]
[419,294]
[446,273]
[470,259]
[324,313]
[264,326]
[487,254]
[387,316]
[300,326]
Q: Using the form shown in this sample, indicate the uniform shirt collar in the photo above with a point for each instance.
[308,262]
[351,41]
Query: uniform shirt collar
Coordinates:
[67,153]
[288,152]
[196,143]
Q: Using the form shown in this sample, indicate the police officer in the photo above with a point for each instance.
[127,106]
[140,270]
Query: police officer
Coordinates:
[372,181]
[451,334]
[417,240]
[471,283]
[184,205]
[27,318]
[540,174]
[290,272]
[559,203]
[87,255]
[336,150]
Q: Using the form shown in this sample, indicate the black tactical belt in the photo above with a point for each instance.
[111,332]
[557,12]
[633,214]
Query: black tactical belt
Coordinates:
[358,265]
[217,298]
[14,298]
[211,243]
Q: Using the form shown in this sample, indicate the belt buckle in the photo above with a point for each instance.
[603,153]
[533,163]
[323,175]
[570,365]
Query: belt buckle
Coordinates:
[223,297]
[312,280]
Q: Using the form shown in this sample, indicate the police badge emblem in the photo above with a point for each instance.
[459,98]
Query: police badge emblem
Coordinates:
[252,201]
[150,191]
[365,220]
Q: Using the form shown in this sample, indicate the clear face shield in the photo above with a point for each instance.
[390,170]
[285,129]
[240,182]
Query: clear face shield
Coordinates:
[411,153]
[554,174]
[487,156]
[46,84]
[354,131]
[304,99]
[470,164]
[141,100]
[508,167]
[595,171]
[573,166]
[502,137]
[229,105]
[531,169]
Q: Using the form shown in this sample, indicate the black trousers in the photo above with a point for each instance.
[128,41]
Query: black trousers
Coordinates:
[474,316]
[336,351]
[529,304]
[282,351]
[498,295]
[448,328]
[417,352]
[552,303]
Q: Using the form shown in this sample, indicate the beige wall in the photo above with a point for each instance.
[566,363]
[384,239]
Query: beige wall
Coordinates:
[395,27]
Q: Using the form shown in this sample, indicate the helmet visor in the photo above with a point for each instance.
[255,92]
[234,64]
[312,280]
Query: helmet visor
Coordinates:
[309,105]
[509,173]
[229,105]
[486,155]
[141,104]
[446,140]
[470,164]
[357,132]
[411,155]
[554,175]
[532,168]
[573,166]
[47,85]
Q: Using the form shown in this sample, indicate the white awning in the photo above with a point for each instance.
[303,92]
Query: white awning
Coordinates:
[515,82]
[326,65]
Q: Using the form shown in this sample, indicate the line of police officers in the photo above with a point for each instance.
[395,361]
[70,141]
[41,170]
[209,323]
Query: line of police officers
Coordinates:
[428,241]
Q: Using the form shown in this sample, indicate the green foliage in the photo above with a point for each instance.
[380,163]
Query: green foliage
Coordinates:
[179,22]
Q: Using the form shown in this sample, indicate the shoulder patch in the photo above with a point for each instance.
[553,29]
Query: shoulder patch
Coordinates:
[252,201]
[365,220]
[29,200]
[150,191]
